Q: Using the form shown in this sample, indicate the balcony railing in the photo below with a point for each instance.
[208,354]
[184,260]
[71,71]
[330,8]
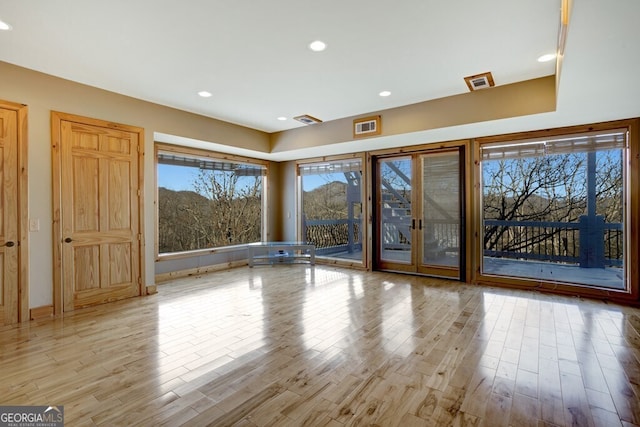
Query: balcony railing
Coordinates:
[586,243]
[334,235]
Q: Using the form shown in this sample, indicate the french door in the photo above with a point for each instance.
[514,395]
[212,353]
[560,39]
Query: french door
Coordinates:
[420,213]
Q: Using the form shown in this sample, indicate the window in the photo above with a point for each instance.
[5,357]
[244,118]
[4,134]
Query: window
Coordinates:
[554,210]
[207,200]
[332,207]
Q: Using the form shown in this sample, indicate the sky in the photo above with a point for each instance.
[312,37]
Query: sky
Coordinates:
[176,178]
[311,182]
[179,178]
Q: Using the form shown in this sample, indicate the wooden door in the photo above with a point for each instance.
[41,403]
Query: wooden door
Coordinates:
[8,216]
[100,210]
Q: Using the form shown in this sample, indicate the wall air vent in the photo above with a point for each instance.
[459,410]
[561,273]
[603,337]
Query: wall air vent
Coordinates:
[307,119]
[367,126]
[479,81]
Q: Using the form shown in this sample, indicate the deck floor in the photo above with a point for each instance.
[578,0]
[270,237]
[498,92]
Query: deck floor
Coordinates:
[608,278]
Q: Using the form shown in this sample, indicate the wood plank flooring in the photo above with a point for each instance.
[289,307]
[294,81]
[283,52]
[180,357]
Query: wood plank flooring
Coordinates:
[323,346]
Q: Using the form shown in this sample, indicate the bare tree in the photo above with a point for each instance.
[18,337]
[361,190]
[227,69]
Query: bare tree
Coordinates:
[546,189]
[224,209]
[328,201]
[234,214]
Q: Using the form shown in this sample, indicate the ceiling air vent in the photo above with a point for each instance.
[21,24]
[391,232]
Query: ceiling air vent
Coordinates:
[307,119]
[479,81]
[366,126]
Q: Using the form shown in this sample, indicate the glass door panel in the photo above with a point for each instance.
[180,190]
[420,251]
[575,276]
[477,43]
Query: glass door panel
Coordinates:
[440,220]
[395,215]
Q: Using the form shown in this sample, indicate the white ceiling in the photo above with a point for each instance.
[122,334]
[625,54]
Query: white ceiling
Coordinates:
[253,57]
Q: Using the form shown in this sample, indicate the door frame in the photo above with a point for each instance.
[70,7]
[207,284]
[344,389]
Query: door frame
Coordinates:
[23,209]
[466,166]
[56,165]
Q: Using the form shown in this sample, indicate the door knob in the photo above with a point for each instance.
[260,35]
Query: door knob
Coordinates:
[68,240]
[10,244]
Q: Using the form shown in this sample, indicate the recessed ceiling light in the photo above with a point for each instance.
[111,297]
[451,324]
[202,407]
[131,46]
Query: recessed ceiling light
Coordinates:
[282,118]
[317,46]
[204,94]
[4,26]
[548,57]
[385,93]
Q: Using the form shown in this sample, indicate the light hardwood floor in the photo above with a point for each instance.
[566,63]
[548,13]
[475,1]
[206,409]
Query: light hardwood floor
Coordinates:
[322,346]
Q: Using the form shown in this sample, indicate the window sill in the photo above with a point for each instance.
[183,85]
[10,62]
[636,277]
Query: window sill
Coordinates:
[200,252]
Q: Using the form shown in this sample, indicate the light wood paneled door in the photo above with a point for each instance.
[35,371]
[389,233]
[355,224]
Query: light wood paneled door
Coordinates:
[99,213]
[8,216]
